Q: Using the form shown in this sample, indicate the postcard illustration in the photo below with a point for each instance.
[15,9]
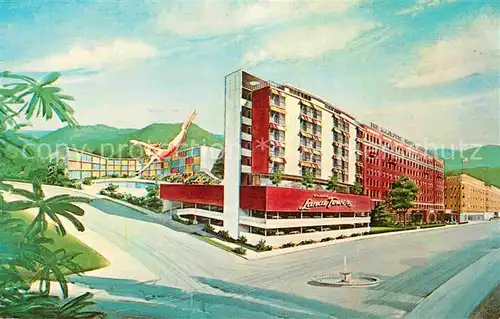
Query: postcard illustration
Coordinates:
[250,159]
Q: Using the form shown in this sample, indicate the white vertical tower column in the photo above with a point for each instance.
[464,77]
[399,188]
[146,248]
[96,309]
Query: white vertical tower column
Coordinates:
[351,178]
[232,152]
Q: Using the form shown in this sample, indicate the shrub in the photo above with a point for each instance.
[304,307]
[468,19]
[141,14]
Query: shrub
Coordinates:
[290,244]
[327,239]
[242,239]
[182,221]
[223,234]
[114,176]
[306,242]
[355,235]
[111,187]
[209,229]
[341,237]
[239,250]
[87,181]
[261,246]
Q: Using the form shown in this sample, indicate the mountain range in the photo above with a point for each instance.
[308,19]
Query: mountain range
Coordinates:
[113,142]
[484,156]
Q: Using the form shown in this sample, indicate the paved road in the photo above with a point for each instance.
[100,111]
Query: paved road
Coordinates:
[194,279]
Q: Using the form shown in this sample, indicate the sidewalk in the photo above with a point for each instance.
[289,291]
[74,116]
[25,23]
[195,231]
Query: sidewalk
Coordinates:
[252,255]
[464,292]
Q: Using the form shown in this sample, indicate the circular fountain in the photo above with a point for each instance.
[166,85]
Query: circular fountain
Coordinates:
[345,279]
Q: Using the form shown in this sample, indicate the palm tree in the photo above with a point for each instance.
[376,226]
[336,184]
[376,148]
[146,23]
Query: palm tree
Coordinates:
[36,97]
[53,207]
[52,264]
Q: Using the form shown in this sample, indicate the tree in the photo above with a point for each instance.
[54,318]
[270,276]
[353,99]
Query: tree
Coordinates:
[36,98]
[53,207]
[333,183]
[307,180]
[276,177]
[380,215]
[25,250]
[357,188]
[218,168]
[23,95]
[402,195]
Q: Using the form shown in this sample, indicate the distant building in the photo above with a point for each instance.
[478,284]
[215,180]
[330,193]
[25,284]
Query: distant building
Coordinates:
[80,164]
[387,156]
[471,198]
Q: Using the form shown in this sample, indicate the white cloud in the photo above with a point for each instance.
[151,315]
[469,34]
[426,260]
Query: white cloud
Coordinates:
[475,50]
[308,41]
[422,5]
[211,18]
[468,119]
[98,56]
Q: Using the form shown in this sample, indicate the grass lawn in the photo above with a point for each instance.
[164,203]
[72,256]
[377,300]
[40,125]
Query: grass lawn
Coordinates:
[212,242]
[379,230]
[89,258]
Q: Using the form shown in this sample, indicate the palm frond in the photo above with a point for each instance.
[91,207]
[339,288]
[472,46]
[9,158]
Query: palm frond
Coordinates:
[26,194]
[17,205]
[67,207]
[78,225]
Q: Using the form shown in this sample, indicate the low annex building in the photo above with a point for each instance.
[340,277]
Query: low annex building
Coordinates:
[277,215]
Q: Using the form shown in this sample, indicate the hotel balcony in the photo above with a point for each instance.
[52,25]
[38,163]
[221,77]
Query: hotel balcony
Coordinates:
[246,169]
[246,152]
[246,103]
[276,121]
[245,120]
[246,137]
[278,105]
[277,154]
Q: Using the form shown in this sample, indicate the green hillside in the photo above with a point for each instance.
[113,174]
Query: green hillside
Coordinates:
[490,175]
[113,142]
[484,156]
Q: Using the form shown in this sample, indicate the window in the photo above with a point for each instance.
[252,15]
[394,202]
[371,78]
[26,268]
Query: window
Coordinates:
[86,158]
[276,150]
[74,174]
[278,100]
[75,156]
[275,166]
[86,174]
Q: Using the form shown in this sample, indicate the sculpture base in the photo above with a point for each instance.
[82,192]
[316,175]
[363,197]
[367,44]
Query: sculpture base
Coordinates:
[345,276]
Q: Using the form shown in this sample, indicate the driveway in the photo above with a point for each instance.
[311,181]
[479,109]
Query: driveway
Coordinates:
[172,274]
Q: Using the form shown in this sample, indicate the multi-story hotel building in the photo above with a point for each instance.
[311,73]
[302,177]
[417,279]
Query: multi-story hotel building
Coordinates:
[81,164]
[471,198]
[387,156]
[268,127]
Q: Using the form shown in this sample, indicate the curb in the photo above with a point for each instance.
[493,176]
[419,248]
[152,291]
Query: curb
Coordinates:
[291,250]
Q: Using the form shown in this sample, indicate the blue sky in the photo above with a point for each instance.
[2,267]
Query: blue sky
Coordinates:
[426,69]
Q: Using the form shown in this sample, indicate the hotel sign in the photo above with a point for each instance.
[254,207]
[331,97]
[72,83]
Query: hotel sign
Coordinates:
[319,201]
[396,136]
